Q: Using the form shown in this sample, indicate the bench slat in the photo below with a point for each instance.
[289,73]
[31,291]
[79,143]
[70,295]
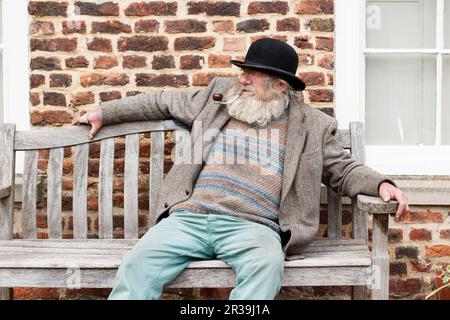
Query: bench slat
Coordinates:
[73,135]
[156,172]
[20,259]
[334,214]
[131,186]
[80,191]
[197,278]
[54,214]
[29,195]
[105,188]
[359,220]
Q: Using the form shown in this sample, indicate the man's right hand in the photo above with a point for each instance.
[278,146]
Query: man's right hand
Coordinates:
[93,118]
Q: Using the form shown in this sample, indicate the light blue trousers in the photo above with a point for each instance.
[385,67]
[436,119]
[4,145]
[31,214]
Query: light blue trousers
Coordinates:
[253,251]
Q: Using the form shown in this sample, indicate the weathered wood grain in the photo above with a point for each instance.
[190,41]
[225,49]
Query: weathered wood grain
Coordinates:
[131,185]
[54,192]
[80,181]
[29,195]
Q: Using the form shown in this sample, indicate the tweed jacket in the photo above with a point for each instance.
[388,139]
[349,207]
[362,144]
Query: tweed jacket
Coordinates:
[312,156]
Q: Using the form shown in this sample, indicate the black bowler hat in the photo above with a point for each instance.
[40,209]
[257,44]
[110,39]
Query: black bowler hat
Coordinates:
[274,57]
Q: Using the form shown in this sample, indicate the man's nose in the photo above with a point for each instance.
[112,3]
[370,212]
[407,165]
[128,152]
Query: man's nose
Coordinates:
[244,80]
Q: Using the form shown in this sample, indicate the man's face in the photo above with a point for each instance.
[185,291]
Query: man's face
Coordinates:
[254,83]
[263,100]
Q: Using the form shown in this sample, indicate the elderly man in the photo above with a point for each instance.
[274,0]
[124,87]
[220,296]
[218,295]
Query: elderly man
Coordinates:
[253,213]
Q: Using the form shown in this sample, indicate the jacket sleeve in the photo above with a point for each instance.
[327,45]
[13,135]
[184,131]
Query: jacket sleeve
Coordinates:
[345,175]
[180,105]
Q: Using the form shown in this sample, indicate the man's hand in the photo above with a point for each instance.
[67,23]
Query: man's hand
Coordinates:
[93,118]
[388,192]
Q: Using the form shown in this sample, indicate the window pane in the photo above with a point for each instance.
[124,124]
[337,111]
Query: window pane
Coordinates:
[400,99]
[447,24]
[401,23]
[446,102]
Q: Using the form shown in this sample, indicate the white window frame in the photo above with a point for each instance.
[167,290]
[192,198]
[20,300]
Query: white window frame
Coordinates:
[16,70]
[350,52]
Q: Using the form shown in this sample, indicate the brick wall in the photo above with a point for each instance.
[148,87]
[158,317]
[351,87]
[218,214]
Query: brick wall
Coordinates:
[85,52]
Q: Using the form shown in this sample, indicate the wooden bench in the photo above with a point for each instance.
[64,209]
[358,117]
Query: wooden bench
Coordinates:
[92,263]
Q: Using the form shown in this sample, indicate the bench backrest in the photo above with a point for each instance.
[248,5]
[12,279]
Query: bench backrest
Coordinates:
[56,139]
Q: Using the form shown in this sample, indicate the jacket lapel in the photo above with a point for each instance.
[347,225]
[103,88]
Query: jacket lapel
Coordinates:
[296,137]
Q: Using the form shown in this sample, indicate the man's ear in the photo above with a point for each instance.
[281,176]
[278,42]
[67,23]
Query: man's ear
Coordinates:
[283,85]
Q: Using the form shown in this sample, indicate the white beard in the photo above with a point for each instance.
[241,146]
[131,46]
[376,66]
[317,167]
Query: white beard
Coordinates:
[252,109]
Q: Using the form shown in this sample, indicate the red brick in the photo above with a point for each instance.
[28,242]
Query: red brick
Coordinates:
[420,235]
[145,26]
[226,26]
[105,62]
[152,8]
[94,9]
[163,62]
[100,44]
[77,62]
[111,79]
[86,293]
[332,291]
[36,80]
[398,269]
[214,8]
[321,95]
[203,79]
[194,43]
[330,78]
[261,36]
[108,96]
[144,148]
[234,44]
[404,287]
[421,216]
[41,221]
[288,24]
[34,98]
[132,62]
[395,235]
[52,45]
[42,63]
[313,78]
[322,25]
[314,7]
[35,293]
[252,25]
[133,93]
[185,26]
[303,42]
[113,27]
[82,98]
[256,7]
[323,43]
[219,61]
[162,80]
[445,234]
[306,59]
[54,99]
[437,250]
[42,28]
[47,8]
[67,183]
[326,62]
[50,117]
[92,202]
[143,43]
[60,80]
[190,62]
[421,266]
[69,27]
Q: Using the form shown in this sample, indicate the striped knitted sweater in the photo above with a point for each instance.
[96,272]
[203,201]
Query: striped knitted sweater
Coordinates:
[242,176]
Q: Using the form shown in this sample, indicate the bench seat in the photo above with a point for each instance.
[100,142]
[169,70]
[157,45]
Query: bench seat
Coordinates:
[52,263]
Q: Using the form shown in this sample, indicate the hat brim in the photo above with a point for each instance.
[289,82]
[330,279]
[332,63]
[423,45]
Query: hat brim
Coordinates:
[295,82]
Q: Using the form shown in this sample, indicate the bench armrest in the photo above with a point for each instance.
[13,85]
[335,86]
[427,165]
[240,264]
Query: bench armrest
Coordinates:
[376,205]
[5,191]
